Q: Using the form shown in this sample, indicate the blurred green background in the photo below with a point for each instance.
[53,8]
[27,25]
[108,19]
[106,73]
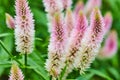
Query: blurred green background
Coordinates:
[100,70]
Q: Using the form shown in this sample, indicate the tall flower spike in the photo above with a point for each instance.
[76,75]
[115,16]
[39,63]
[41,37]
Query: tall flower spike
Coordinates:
[90,5]
[24,27]
[91,42]
[56,47]
[16,73]
[69,21]
[66,3]
[108,21]
[79,6]
[10,21]
[53,6]
[75,42]
[110,47]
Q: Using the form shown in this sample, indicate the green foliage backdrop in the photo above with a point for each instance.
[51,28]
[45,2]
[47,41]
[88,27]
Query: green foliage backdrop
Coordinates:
[100,70]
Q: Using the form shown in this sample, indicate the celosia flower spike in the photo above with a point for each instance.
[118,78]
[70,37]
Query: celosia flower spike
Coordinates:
[79,6]
[110,47]
[66,3]
[16,73]
[24,27]
[69,21]
[90,5]
[108,21]
[10,21]
[53,6]
[91,42]
[75,42]
[56,48]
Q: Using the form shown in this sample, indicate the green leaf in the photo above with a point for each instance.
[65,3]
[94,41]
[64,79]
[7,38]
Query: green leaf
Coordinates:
[101,74]
[38,67]
[115,73]
[85,77]
[5,34]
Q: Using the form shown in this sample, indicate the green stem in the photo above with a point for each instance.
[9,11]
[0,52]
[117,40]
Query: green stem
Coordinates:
[11,56]
[25,66]
[25,59]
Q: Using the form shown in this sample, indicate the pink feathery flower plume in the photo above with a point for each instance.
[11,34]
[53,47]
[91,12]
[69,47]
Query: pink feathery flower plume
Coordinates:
[10,21]
[108,21]
[66,3]
[91,42]
[90,5]
[53,6]
[56,48]
[79,6]
[69,21]
[24,27]
[16,73]
[75,42]
[110,47]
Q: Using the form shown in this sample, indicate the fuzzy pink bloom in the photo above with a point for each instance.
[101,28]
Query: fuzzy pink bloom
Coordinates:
[56,48]
[75,42]
[16,73]
[79,6]
[10,21]
[110,47]
[90,5]
[67,3]
[91,42]
[69,21]
[53,6]
[24,27]
[108,21]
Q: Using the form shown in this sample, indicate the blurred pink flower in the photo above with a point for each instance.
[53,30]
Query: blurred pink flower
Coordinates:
[110,47]
[56,48]
[91,42]
[53,6]
[108,21]
[79,6]
[90,5]
[74,42]
[66,3]
[69,21]
[24,27]
[16,73]
[10,21]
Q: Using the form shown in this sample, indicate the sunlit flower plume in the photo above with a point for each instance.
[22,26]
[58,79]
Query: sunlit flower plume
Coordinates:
[10,21]
[24,27]
[79,6]
[53,6]
[108,21]
[110,47]
[56,48]
[91,42]
[16,73]
[66,3]
[90,5]
[69,21]
[74,42]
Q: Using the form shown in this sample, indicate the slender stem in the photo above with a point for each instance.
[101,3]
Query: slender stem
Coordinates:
[25,66]
[11,56]
[50,77]
[25,59]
